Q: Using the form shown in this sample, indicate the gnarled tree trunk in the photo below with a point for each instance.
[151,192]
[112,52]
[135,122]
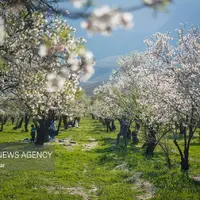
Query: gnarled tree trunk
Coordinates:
[65,123]
[42,131]
[151,141]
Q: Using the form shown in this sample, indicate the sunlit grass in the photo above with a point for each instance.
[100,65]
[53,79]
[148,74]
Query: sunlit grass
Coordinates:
[86,170]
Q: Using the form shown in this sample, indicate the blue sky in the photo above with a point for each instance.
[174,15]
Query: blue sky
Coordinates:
[146,23]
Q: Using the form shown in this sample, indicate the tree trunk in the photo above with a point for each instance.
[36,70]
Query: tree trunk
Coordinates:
[1,121]
[59,124]
[129,134]
[113,125]
[26,121]
[108,127]
[1,129]
[182,129]
[102,121]
[65,122]
[185,164]
[123,132]
[16,125]
[92,116]
[42,132]
[151,141]
[5,119]
[184,157]
[20,122]
[12,120]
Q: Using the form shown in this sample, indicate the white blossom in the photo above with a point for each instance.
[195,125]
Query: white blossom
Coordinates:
[1,31]
[87,75]
[78,3]
[104,19]
[43,50]
[153,2]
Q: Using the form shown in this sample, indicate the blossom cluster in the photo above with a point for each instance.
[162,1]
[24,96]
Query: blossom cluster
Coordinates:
[104,19]
[1,31]
[43,63]
[158,86]
[78,3]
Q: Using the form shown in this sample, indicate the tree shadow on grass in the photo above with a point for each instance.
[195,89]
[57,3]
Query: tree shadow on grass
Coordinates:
[107,141]
[98,129]
[195,143]
[108,147]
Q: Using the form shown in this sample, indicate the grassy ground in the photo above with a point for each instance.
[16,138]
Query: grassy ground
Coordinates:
[93,168]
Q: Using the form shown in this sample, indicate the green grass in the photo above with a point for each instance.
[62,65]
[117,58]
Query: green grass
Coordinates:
[78,172]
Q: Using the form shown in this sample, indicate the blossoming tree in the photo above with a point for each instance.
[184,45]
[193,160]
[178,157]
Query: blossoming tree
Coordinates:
[42,63]
[160,87]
